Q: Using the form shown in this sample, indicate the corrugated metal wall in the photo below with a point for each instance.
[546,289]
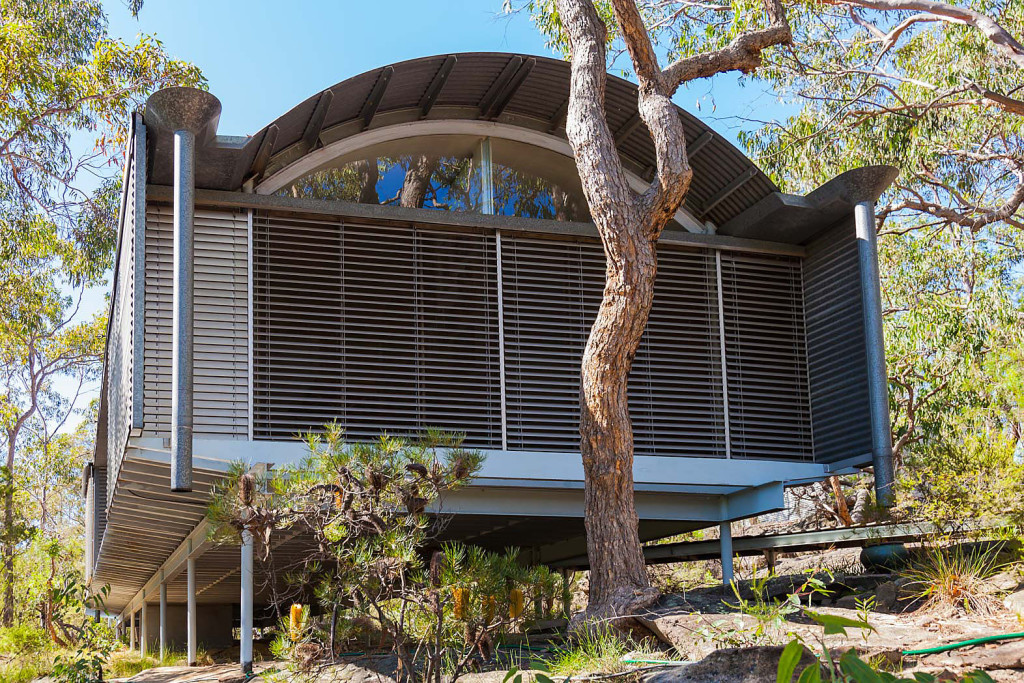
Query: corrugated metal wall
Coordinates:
[835,346]
[221,322]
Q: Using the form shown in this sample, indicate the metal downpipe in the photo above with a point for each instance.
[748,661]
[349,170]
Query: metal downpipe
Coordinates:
[878,379]
[184,286]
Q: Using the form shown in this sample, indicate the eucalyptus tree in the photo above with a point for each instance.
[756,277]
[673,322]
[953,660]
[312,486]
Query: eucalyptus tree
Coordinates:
[630,224]
[63,79]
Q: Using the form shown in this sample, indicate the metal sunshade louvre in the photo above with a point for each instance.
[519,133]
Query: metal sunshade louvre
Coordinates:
[552,291]
[381,328]
[769,411]
[835,346]
[120,351]
[221,347]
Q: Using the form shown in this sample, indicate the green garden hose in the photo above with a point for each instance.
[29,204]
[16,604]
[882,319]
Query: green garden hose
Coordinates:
[963,643]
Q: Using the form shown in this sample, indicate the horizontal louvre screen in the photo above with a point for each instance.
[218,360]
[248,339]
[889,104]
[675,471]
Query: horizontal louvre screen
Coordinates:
[220,346]
[388,328]
[551,291]
[381,328]
[551,294]
[836,354]
[769,412]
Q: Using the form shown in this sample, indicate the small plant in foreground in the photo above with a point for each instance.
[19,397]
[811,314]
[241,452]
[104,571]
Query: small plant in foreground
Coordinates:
[951,579]
[849,667]
[600,648]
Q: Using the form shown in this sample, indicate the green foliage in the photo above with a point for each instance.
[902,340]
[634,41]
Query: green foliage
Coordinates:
[952,578]
[91,641]
[375,510]
[600,648]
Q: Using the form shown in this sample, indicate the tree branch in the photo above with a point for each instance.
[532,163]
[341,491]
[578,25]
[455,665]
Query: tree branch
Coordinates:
[742,54]
[1009,46]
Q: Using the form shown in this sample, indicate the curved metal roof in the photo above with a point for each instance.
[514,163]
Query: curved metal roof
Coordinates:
[520,90]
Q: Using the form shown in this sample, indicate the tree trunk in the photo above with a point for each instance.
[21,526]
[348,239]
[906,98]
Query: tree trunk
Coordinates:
[8,546]
[368,177]
[616,558]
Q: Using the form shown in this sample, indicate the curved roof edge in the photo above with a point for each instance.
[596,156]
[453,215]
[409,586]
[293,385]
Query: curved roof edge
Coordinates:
[529,92]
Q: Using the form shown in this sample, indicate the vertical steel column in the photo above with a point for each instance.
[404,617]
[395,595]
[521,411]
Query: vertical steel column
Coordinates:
[726,551]
[190,617]
[878,379]
[724,359]
[131,631]
[486,178]
[501,342]
[143,629]
[163,619]
[245,638]
[184,286]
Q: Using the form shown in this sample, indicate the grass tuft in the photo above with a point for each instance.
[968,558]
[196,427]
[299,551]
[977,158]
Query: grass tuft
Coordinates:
[951,579]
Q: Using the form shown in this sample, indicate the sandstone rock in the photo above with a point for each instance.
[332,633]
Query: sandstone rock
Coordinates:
[1005,655]
[694,635]
[731,665]
[1015,603]
[1002,582]
[886,596]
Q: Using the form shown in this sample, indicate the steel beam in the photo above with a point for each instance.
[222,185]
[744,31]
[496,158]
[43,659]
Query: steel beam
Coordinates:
[246,607]
[436,85]
[311,134]
[376,95]
[874,341]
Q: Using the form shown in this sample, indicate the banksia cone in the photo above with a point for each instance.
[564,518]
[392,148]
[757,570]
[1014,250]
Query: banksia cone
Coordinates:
[246,488]
[516,604]
[460,596]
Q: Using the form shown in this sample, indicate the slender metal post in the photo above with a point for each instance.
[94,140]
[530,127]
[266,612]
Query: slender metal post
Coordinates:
[181,344]
[131,631]
[191,616]
[245,638]
[726,551]
[878,378]
[163,620]
[486,178]
[144,638]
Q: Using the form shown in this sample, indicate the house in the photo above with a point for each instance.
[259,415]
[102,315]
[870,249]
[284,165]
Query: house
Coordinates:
[410,248]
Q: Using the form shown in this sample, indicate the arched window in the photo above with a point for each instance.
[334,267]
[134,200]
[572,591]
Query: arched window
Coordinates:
[453,173]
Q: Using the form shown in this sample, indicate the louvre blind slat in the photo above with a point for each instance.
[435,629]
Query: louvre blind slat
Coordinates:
[552,291]
[380,328]
[220,326]
[766,357]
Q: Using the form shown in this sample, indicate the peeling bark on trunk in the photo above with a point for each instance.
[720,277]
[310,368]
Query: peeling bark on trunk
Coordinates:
[629,225]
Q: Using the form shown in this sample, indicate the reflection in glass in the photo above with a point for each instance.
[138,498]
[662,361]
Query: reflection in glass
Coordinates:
[444,173]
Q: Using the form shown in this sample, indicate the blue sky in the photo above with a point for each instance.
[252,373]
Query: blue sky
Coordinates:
[262,58]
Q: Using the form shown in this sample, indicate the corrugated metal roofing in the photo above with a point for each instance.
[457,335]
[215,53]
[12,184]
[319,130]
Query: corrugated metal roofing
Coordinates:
[475,80]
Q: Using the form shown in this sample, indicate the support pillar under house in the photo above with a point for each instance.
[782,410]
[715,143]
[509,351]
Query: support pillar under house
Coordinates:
[246,608]
[190,616]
